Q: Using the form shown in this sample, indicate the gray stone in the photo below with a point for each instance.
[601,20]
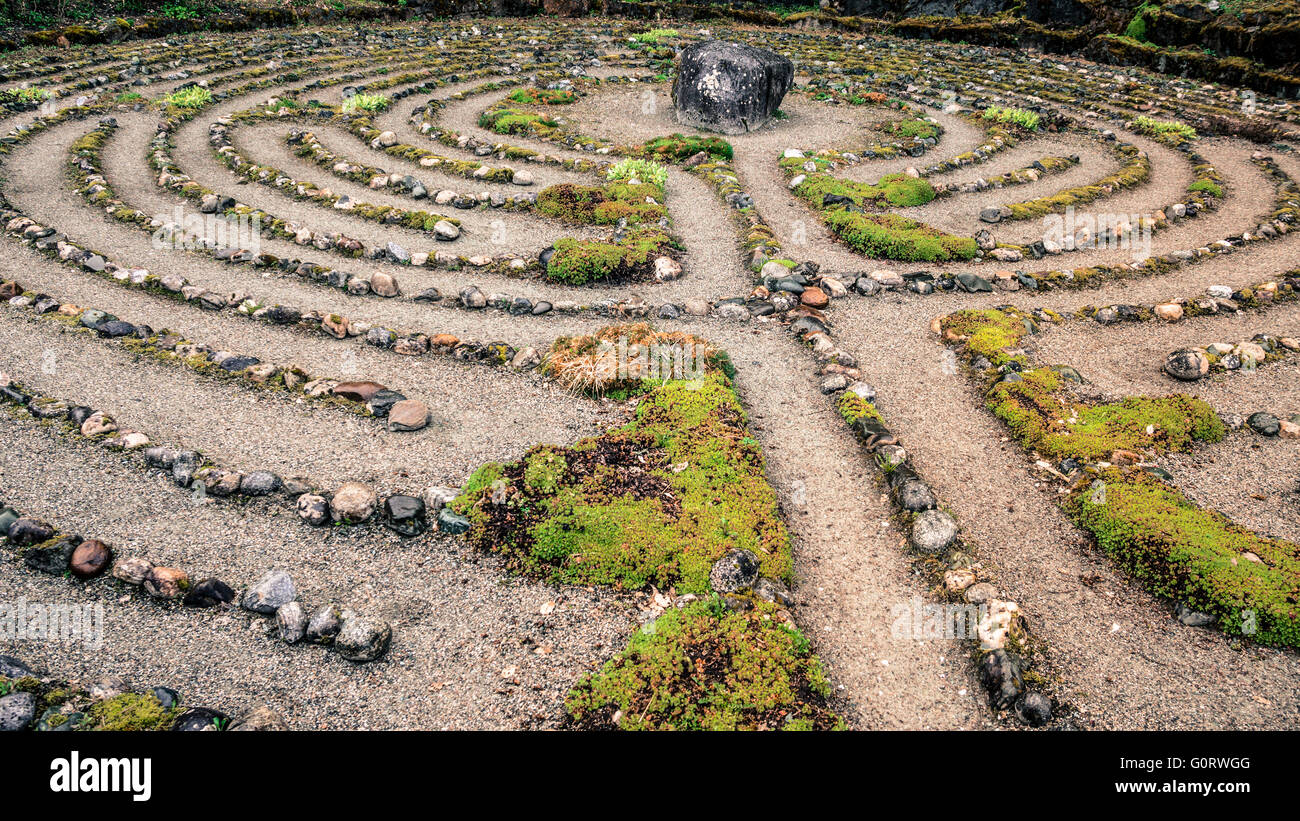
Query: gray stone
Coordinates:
[324,624]
[1187,364]
[16,711]
[1034,709]
[1000,674]
[729,87]
[291,622]
[1265,424]
[258,719]
[275,590]
[313,509]
[915,495]
[259,483]
[737,570]
[1192,618]
[933,532]
[353,503]
[452,523]
[361,639]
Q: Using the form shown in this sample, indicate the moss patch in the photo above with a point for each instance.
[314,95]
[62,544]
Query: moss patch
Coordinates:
[889,236]
[1045,416]
[655,502]
[1248,582]
[706,668]
[130,712]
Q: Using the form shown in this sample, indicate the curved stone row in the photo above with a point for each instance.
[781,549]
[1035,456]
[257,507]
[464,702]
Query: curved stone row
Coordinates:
[44,548]
[362,397]
[1191,364]
[1217,300]
[351,503]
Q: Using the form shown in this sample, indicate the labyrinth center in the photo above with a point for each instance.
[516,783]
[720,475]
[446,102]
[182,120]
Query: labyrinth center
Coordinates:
[446,375]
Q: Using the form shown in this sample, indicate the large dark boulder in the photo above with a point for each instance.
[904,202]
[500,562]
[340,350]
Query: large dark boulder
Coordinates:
[729,87]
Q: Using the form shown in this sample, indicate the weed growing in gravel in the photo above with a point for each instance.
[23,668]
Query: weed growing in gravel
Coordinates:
[631,168]
[1164,128]
[194,97]
[1027,120]
[365,102]
[23,95]
[654,35]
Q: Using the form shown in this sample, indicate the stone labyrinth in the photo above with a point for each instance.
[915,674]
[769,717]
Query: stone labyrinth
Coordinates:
[436,376]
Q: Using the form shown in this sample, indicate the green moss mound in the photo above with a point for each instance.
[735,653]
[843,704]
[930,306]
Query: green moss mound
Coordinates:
[579,262]
[897,190]
[1044,415]
[130,712]
[515,121]
[542,96]
[1249,583]
[889,236]
[704,667]
[678,147]
[656,502]
[602,205]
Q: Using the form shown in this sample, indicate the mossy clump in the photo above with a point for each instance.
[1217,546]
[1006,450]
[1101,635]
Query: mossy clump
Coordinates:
[988,333]
[1249,583]
[889,236]
[1046,416]
[915,128]
[130,712]
[704,667]
[656,502]
[678,147]
[515,121]
[603,205]
[579,262]
[853,408]
[897,190]
[542,96]
[1208,186]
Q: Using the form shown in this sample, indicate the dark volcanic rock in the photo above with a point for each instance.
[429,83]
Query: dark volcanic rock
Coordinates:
[729,87]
